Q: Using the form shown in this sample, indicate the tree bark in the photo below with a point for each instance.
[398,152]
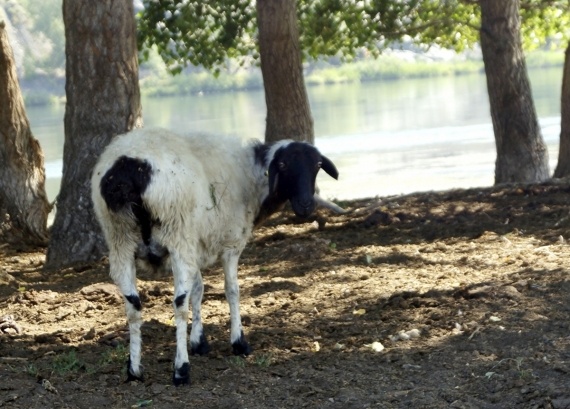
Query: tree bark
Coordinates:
[563,166]
[24,206]
[288,110]
[522,156]
[103,100]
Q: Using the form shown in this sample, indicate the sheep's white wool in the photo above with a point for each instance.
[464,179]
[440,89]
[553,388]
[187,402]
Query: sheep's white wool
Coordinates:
[194,199]
[212,178]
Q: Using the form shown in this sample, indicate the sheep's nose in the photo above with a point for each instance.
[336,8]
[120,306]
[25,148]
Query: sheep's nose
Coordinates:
[303,207]
[306,203]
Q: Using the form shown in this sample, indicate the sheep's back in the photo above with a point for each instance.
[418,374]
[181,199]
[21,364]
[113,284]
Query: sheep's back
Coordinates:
[199,195]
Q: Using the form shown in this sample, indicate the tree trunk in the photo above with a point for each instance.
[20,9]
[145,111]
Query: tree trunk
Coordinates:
[24,207]
[521,153]
[103,101]
[288,110]
[563,167]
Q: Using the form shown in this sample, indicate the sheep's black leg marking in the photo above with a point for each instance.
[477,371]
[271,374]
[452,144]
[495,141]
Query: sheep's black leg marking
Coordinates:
[181,375]
[179,301]
[241,347]
[135,301]
[132,377]
[201,348]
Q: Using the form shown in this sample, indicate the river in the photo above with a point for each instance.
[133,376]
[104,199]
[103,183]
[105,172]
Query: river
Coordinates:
[385,138]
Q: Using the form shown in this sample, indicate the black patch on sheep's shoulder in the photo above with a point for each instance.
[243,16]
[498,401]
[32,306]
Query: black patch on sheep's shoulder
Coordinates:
[272,203]
[260,151]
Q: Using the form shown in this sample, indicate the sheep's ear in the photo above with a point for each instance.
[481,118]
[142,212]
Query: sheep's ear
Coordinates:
[329,167]
[273,179]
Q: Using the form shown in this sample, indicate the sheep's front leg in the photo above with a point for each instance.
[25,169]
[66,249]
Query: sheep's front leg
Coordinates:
[122,271]
[230,260]
[186,278]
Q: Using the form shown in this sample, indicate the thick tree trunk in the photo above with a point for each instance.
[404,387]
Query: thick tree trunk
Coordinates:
[24,206]
[103,101]
[288,110]
[521,153]
[563,166]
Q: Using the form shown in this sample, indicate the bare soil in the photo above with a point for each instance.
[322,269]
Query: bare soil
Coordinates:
[466,291]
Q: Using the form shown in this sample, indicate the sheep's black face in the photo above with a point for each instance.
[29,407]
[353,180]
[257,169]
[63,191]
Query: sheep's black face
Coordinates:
[292,174]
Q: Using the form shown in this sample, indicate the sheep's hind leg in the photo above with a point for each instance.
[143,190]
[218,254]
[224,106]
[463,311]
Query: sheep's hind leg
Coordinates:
[198,342]
[122,271]
[185,275]
[230,263]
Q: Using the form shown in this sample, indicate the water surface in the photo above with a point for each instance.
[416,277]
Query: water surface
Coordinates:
[384,137]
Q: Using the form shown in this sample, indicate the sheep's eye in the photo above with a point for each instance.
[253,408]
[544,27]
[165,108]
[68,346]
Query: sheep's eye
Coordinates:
[282,165]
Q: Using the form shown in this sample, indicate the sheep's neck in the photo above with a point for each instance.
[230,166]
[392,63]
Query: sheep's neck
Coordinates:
[270,205]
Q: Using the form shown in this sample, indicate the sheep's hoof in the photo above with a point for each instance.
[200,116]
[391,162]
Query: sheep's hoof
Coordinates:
[201,348]
[241,347]
[181,375]
[131,376]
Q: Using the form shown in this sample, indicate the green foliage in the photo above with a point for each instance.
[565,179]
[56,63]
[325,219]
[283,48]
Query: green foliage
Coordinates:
[220,34]
[67,362]
[343,27]
[545,22]
[192,32]
[264,360]
[119,354]
[236,361]
[387,67]
[202,81]
[41,31]
[196,32]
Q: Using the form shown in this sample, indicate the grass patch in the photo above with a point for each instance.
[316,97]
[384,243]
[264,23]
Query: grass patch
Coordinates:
[119,354]
[66,363]
[32,370]
[264,360]
[236,361]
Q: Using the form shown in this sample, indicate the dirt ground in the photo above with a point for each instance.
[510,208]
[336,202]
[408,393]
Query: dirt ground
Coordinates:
[456,299]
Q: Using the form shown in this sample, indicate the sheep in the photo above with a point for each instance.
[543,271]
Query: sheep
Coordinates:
[192,200]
